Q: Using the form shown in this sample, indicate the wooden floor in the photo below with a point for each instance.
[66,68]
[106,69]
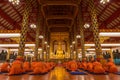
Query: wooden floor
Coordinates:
[60,73]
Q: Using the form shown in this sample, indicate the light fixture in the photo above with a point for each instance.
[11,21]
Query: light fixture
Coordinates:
[48,46]
[110,34]
[92,49]
[112,44]
[16,2]
[74,52]
[9,35]
[45,42]
[40,49]
[44,52]
[33,26]
[78,36]
[41,37]
[16,45]
[86,25]
[27,50]
[73,42]
[71,46]
[104,1]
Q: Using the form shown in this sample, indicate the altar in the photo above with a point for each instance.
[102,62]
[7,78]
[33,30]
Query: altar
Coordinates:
[59,45]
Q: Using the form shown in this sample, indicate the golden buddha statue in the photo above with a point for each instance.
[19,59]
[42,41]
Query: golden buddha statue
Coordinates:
[59,52]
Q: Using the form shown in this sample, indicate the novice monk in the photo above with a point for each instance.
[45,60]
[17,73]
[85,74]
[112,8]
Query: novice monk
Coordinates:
[90,65]
[84,64]
[97,67]
[111,67]
[5,66]
[73,65]
[40,68]
[26,66]
[17,67]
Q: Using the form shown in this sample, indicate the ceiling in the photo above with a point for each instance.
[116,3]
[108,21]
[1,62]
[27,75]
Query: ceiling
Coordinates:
[60,16]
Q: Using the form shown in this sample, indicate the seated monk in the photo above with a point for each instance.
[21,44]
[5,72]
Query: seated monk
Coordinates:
[90,65]
[16,68]
[112,68]
[79,65]
[39,68]
[73,65]
[84,64]
[5,66]
[26,66]
[97,67]
[33,63]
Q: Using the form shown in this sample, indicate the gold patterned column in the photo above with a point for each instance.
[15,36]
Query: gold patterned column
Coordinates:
[95,29]
[24,29]
[43,49]
[70,42]
[76,42]
[37,40]
[43,42]
[81,26]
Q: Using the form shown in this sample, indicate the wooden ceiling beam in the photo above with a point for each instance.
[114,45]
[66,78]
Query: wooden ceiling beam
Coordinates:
[16,11]
[101,13]
[111,18]
[11,21]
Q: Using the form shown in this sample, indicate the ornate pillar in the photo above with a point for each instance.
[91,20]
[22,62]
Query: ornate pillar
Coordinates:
[24,29]
[70,42]
[43,49]
[48,45]
[81,26]
[37,40]
[76,42]
[43,42]
[95,29]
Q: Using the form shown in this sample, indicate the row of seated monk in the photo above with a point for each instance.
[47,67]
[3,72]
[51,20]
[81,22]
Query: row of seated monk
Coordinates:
[19,67]
[93,66]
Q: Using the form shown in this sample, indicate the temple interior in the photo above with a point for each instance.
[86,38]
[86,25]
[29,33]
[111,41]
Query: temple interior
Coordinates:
[59,39]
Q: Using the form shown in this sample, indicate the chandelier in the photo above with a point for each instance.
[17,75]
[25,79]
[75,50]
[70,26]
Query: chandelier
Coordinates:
[104,1]
[15,1]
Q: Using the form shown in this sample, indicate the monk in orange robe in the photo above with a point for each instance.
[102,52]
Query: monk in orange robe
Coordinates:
[84,64]
[90,65]
[97,67]
[26,66]
[5,66]
[79,65]
[111,67]
[73,65]
[16,68]
[40,68]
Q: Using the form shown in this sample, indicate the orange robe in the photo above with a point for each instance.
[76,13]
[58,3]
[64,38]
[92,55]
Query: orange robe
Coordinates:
[84,65]
[97,67]
[112,67]
[33,65]
[16,68]
[26,66]
[79,65]
[39,68]
[4,67]
[73,66]
[90,67]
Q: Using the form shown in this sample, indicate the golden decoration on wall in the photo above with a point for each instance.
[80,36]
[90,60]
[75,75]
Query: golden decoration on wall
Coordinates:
[59,45]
